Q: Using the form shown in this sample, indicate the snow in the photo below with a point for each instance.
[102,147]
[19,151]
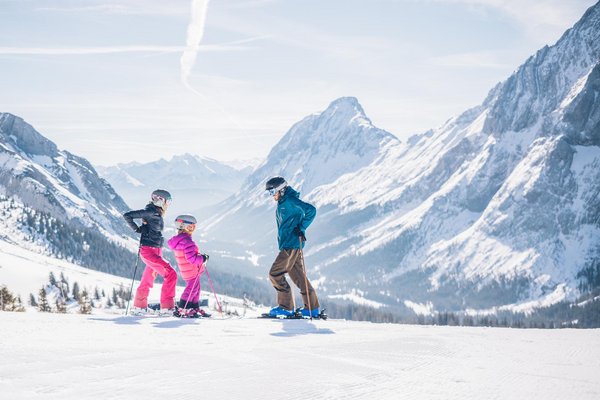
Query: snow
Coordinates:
[72,356]
[132,181]
[420,309]
[357,297]
[253,258]
[575,90]
[24,271]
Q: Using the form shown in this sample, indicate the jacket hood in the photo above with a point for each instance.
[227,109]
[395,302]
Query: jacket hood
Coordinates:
[177,242]
[289,192]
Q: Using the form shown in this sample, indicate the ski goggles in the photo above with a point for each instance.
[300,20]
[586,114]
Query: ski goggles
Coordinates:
[160,198]
[273,191]
[160,201]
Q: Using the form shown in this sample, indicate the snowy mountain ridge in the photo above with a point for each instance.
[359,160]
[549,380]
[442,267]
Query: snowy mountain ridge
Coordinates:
[34,171]
[194,181]
[322,147]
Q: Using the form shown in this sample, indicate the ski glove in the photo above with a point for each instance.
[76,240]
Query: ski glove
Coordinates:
[298,232]
[205,257]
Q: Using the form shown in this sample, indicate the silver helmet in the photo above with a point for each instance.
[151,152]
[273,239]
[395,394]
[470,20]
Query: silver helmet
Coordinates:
[160,198]
[184,220]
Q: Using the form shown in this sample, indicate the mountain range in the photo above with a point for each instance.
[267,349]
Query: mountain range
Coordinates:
[194,181]
[54,202]
[497,209]
[35,172]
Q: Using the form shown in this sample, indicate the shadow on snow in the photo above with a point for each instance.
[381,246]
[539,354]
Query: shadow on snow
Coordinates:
[300,327]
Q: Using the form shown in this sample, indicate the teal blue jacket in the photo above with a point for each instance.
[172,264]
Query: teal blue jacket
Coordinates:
[292,212]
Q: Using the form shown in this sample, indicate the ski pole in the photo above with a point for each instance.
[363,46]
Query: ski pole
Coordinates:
[213,290]
[133,278]
[192,291]
[305,278]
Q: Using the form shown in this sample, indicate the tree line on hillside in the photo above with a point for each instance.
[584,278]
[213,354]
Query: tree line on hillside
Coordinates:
[583,313]
[60,296]
[71,242]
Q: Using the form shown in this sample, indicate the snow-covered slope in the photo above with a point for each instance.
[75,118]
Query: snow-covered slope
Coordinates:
[72,357]
[497,208]
[193,181]
[35,172]
[24,272]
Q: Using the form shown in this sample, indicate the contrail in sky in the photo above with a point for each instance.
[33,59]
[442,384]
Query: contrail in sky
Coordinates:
[194,37]
[188,58]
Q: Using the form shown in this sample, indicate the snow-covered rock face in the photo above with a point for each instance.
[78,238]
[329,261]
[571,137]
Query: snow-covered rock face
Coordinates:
[499,207]
[539,86]
[321,147]
[34,171]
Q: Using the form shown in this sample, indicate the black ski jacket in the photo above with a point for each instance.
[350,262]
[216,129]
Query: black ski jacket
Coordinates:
[152,225]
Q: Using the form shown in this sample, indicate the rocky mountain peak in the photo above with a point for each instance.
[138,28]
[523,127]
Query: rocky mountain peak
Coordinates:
[24,137]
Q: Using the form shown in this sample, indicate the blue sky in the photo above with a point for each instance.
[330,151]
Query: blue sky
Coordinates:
[103,79]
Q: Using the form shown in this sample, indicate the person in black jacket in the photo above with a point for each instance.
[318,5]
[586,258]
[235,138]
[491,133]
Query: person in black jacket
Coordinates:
[151,243]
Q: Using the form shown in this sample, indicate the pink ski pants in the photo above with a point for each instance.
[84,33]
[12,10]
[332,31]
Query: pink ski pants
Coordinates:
[155,265]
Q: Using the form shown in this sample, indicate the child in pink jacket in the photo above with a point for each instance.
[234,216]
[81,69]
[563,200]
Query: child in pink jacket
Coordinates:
[191,266]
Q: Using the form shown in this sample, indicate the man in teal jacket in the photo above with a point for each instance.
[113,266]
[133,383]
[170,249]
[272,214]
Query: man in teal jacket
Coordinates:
[293,218]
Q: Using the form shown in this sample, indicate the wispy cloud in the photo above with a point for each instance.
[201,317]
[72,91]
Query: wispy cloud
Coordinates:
[63,51]
[123,7]
[543,19]
[87,50]
[103,8]
[486,59]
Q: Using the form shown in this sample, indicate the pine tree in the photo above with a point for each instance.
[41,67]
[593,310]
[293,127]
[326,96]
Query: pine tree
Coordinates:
[85,305]
[76,294]
[18,305]
[43,301]
[61,306]
[32,301]
[52,279]
[6,299]
[96,293]
[64,281]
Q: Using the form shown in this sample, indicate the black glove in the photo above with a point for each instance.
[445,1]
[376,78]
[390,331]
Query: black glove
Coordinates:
[298,232]
[142,228]
[205,257]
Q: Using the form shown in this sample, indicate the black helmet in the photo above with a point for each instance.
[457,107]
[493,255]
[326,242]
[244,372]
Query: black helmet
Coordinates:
[275,184]
[161,197]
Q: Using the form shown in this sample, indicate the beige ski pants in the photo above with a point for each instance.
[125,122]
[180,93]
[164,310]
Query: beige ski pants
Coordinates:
[289,262]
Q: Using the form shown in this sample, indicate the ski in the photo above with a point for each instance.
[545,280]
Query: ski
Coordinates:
[190,313]
[154,310]
[296,315]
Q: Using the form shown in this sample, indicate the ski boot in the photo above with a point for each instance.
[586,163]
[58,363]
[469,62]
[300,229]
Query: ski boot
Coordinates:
[280,312]
[138,311]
